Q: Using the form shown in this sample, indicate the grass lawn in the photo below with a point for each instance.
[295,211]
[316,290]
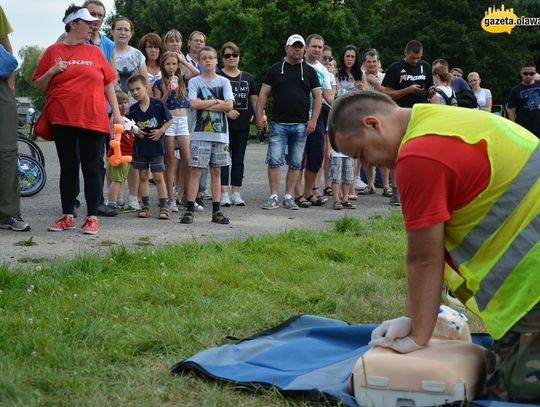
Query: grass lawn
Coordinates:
[99,331]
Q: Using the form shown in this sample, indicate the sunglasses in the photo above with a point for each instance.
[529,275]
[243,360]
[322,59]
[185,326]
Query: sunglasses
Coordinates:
[227,56]
[326,58]
[528,73]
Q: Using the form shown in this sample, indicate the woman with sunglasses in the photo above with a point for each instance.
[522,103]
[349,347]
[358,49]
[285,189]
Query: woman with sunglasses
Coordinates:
[239,118]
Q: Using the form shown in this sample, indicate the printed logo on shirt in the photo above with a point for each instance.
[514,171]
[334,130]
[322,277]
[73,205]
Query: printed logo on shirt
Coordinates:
[148,124]
[79,62]
[240,90]
[407,77]
[208,121]
[530,98]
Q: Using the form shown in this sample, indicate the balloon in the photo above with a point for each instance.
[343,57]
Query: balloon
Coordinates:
[117,158]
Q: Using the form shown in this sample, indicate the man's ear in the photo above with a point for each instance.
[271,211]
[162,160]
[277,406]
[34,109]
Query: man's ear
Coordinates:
[371,121]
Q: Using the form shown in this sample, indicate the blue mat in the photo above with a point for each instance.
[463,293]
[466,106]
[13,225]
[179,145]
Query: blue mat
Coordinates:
[307,356]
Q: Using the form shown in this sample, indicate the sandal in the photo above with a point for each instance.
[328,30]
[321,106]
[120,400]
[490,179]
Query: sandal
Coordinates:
[164,214]
[353,197]
[327,191]
[317,200]
[387,192]
[218,217]
[348,205]
[338,205]
[320,197]
[367,191]
[187,217]
[302,202]
[145,212]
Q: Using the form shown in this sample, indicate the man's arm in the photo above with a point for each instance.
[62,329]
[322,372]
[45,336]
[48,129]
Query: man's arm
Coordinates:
[511,113]
[315,110]
[261,102]
[425,271]
[328,95]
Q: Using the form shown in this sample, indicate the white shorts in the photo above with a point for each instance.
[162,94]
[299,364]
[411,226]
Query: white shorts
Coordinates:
[179,127]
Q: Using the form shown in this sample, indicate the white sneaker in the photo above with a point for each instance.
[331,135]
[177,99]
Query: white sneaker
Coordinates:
[198,208]
[225,201]
[171,205]
[359,184]
[133,203]
[237,200]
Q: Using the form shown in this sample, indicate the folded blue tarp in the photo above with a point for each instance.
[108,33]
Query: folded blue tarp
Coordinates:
[306,355]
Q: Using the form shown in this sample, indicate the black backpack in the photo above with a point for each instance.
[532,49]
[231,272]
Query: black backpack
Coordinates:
[450,101]
[463,98]
[466,98]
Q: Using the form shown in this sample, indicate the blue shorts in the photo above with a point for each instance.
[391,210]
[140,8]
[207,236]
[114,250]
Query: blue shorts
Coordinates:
[155,163]
[290,135]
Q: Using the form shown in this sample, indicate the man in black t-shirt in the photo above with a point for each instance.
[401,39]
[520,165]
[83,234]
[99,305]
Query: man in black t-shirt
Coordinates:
[524,100]
[291,82]
[408,82]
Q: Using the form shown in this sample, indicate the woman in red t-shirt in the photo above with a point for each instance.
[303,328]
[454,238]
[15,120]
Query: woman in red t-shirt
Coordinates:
[78,81]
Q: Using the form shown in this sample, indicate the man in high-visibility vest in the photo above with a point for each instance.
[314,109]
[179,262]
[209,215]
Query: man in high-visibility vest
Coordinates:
[470,192]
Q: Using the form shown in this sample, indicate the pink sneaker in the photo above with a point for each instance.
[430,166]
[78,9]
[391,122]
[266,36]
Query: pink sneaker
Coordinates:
[90,226]
[64,223]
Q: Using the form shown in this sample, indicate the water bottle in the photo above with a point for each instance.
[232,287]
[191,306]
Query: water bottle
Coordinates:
[174,82]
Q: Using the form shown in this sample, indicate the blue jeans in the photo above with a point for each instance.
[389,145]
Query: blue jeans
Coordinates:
[290,135]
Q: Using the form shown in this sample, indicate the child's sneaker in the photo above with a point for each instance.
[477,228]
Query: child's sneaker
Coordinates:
[133,203]
[225,200]
[171,205]
[237,200]
[66,222]
[90,225]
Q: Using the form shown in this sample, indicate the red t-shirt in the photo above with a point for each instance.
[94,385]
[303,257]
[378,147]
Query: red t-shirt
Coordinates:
[76,96]
[437,175]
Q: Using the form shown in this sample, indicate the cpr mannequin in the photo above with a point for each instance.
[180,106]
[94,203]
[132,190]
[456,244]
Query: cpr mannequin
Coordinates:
[450,368]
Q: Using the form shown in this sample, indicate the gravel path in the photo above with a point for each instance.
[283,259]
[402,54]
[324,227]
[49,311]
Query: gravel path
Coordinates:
[42,209]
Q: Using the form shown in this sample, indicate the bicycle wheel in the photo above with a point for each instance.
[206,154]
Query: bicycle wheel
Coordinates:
[32,175]
[28,147]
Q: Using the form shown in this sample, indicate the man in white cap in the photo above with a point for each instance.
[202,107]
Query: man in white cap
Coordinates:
[291,82]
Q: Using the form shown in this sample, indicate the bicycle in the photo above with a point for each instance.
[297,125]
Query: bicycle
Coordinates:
[30,148]
[32,175]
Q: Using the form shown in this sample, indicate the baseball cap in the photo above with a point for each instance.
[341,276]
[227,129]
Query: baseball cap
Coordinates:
[295,38]
[82,14]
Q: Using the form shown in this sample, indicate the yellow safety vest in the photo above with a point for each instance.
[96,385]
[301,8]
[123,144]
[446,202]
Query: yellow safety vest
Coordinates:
[494,240]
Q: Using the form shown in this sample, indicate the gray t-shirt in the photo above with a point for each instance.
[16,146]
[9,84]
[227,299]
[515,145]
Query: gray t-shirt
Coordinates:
[208,125]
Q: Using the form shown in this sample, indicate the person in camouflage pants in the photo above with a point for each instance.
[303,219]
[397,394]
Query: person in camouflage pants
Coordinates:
[513,371]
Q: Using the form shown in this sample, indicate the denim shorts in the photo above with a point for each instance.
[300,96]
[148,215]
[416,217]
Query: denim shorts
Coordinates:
[290,135]
[155,163]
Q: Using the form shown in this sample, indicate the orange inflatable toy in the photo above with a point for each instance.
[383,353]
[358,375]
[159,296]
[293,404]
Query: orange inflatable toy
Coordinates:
[117,158]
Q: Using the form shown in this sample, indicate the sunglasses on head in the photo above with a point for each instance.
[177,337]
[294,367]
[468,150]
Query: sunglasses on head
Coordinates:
[528,73]
[227,56]
[327,58]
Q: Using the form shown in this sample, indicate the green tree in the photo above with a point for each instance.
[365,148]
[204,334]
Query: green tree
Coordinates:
[23,77]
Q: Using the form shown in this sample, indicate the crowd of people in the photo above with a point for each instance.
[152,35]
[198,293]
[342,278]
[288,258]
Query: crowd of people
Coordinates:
[197,118]
[468,179]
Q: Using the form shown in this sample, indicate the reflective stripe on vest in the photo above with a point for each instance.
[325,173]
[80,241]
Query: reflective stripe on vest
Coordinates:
[500,210]
[522,244]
